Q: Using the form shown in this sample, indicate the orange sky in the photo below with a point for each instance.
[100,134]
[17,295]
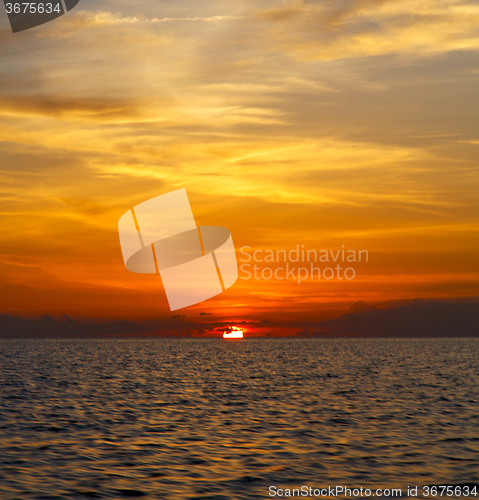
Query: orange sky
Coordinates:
[290,123]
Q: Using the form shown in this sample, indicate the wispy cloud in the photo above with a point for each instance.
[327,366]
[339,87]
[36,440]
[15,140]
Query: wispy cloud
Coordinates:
[102,18]
[360,28]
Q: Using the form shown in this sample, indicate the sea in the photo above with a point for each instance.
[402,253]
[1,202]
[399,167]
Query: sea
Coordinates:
[239,419]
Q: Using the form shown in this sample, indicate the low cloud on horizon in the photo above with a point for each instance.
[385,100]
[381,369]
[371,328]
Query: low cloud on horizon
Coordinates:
[419,318]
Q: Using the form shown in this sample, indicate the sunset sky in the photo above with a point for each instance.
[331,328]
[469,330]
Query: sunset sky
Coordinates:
[310,123]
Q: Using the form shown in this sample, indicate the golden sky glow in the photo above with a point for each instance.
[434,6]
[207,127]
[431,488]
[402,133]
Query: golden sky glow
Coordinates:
[289,122]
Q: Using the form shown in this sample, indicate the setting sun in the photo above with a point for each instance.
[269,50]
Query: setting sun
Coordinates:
[234,333]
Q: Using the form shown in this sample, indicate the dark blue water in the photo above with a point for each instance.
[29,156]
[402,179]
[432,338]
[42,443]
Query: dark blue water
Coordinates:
[209,418]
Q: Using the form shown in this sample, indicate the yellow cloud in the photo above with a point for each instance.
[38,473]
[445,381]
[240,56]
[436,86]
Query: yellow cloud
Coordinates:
[371,28]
